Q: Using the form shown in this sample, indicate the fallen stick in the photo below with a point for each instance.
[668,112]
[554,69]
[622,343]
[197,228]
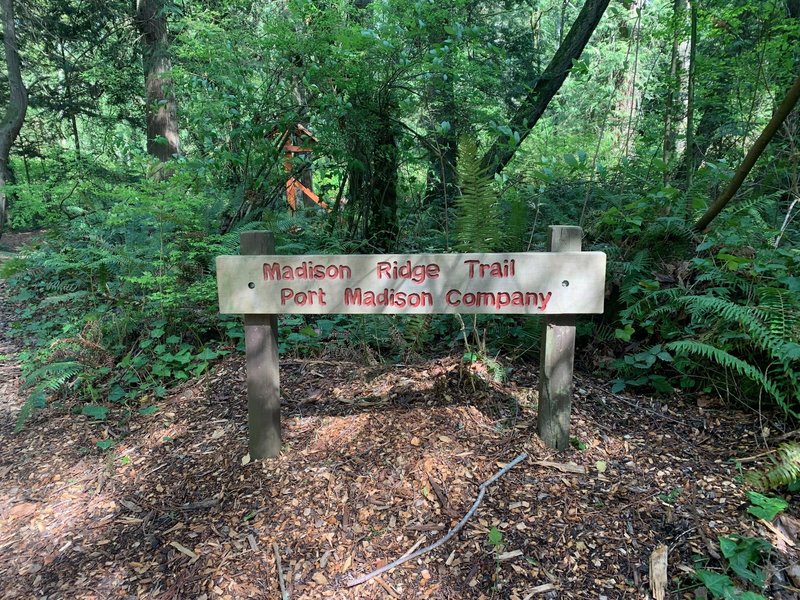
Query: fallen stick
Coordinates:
[450,534]
[276,550]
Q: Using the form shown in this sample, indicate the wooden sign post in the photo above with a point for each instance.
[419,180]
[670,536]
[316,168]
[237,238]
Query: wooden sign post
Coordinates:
[557,356]
[261,364]
[558,284]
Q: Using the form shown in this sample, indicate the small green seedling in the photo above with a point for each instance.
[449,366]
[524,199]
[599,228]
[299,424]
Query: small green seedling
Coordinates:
[495,537]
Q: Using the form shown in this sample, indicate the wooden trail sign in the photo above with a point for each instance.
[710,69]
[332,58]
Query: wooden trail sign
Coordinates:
[557,284]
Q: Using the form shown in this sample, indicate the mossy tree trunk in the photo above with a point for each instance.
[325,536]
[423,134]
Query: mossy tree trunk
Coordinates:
[161,110]
[533,106]
[14,113]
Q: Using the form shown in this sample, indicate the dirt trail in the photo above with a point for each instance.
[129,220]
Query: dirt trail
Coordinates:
[10,397]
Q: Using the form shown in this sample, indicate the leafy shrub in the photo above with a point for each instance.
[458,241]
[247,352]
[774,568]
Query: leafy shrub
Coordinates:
[721,318]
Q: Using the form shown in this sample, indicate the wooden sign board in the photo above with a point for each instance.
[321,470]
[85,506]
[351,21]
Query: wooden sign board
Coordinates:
[511,283]
[558,284]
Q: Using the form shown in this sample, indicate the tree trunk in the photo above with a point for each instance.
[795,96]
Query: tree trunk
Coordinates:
[443,154]
[14,115]
[372,172]
[673,84]
[162,120]
[778,117]
[690,98]
[70,104]
[535,103]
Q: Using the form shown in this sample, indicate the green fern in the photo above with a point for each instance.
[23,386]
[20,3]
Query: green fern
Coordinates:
[728,361]
[477,223]
[778,312]
[46,379]
[34,400]
[763,328]
[783,470]
[417,331]
[516,226]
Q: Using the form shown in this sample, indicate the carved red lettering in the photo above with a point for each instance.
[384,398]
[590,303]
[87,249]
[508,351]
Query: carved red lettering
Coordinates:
[453,297]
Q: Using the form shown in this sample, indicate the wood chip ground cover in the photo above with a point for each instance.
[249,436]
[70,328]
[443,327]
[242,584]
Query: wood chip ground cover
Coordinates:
[377,460]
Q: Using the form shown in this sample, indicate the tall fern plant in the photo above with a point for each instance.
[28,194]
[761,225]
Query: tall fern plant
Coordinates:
[477,224]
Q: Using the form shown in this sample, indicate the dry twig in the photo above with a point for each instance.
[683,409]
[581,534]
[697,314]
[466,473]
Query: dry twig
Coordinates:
[276,550]
[450,534]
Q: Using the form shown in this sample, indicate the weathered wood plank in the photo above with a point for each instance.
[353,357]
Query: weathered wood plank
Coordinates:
[509,283]
[263,378]
[557,357]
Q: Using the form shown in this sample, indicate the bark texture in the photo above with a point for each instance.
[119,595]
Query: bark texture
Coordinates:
[161,110]
[535,103]
[17,106]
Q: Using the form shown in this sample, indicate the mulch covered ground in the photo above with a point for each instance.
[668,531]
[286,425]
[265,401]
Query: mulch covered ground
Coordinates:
[378,459]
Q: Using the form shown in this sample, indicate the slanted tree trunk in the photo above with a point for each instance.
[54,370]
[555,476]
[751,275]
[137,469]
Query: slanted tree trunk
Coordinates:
[778,117]
[548,84]
[690,98]
[14,113]
[161,111]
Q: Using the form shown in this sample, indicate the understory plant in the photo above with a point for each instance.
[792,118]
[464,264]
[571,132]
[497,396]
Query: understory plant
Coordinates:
[714,313]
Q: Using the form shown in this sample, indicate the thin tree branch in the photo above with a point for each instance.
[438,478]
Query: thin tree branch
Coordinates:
[450,534]
[753,155]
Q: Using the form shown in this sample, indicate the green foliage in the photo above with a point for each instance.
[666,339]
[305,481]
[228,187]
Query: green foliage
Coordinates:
[43,380]
[743,554]
[783,469]
[637,367]
[744,557]
[477,222]
[728,361]
[495,537]
[765,507]
[723,315]
[122,299]
[121,286]
[721,586]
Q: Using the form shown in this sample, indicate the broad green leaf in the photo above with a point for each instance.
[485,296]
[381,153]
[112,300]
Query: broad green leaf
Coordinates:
[105,444]
[743,552]
[207,354]
[765,507]
[495,536]
[95,411]
[719,584]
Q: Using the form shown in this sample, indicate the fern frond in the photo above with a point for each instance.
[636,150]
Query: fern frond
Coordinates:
[64,297]
[785,468]
[52,376]
[662,300]
[779,313]
[728,361]
[417,331]
[35,400]
[751,320]
[477,223]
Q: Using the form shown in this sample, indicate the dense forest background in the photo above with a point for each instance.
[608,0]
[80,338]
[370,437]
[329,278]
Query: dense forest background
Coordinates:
[143,141]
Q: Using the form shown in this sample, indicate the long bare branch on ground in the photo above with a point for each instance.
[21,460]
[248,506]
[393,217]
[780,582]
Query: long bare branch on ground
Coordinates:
[481,492]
